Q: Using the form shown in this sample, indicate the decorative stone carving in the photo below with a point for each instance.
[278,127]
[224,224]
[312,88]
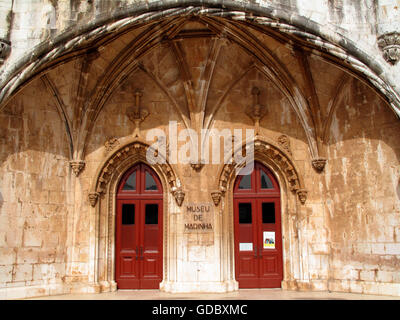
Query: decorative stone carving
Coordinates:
[256,111]
[5,50]
[197,166]
[389,43]
[284,142]
[179,196]
[93,196]
[77,166]
[137,151]
[264,151]
[319,164]
[302,194]
[216,196]
[111,143]
[137,113]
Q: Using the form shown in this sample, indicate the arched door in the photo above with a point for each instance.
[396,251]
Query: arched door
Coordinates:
[139,227]
[258,239]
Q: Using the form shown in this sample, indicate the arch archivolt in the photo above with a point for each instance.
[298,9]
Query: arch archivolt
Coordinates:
[273,156]
[132,152]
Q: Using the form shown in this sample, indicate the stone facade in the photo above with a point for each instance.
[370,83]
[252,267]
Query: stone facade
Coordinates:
[86,81]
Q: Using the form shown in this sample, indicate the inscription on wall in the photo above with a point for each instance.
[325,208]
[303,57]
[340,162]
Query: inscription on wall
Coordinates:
[199,217]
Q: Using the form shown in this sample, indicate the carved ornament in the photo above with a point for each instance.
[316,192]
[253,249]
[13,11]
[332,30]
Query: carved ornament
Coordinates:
[284,142]
[111,144]
[93,196]
[5,50]
[319,164]
[137,113]
[197,166]
[256,111]
[179,196]
[216,196]
[389,43]
[77,166]
[302,194]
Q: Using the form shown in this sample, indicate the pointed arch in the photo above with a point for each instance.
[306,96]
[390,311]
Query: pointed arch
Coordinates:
[271,155]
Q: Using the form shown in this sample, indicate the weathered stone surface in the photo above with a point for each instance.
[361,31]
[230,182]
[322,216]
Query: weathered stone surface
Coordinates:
[340,217]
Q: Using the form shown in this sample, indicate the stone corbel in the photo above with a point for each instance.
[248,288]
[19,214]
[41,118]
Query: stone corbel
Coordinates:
[319,164]
[77,166]
[179,196]
[389,43]
[197,166]
[93,196]
[5,50]
[216,196]
[302,194]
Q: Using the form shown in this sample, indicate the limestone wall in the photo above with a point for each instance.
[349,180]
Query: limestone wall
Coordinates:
[201,73]
[36,195]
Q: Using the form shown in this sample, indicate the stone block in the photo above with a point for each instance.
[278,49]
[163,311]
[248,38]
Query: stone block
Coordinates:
[367,275]
[5,274]
[27,255]
[32,238]
[384,276]
[23,272]
[392,248]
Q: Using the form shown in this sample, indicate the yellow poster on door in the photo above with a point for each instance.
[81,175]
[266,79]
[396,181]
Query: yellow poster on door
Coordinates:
[269,239]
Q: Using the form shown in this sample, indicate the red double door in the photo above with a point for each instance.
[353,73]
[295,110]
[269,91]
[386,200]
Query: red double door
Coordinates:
[258,239]
[139,230]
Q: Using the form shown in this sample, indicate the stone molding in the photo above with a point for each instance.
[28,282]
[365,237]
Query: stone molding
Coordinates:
[389,43]
[267,151]
[132,149]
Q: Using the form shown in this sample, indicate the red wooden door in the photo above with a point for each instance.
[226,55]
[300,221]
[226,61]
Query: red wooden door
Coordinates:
[258,239]
[139,230]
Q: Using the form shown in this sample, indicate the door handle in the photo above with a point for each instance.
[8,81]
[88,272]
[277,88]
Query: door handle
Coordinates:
[137,250]
[141,253]
[255,252]
[260,255]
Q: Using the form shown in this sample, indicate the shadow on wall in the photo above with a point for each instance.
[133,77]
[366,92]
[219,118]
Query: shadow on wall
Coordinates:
[1,200]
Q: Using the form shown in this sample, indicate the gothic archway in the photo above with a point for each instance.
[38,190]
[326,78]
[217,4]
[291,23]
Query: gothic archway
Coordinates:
[103,201]
[277,159]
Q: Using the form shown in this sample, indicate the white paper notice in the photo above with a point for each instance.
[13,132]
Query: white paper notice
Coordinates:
[269,240]
[246,246]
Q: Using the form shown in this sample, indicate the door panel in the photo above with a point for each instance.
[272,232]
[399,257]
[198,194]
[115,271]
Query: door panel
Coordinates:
[245,244]
[258,239]
[139,230]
